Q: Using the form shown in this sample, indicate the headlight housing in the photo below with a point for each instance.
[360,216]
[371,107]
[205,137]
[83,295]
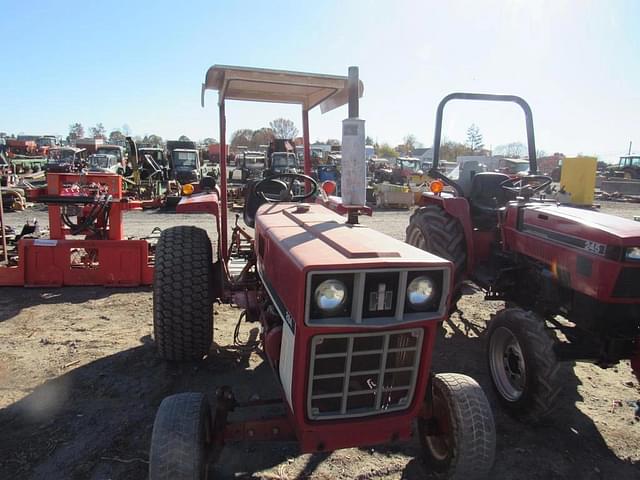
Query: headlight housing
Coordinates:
[424,291]
[632,254]
[420,292]
[330,295]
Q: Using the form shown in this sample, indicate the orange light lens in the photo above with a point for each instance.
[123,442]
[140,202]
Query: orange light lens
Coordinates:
[329,187]
[436,186]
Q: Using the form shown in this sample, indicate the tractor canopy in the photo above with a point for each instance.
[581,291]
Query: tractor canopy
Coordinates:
[308,90]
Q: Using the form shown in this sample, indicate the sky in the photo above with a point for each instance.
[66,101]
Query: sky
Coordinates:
[142,63]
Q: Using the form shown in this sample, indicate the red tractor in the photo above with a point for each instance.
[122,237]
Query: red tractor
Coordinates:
[559,268]
[348,316]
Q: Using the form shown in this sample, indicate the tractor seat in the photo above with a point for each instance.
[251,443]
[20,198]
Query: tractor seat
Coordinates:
[253,201]
[487,197]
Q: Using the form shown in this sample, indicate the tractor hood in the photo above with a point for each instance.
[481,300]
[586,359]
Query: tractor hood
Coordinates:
[315,237]
[584,224]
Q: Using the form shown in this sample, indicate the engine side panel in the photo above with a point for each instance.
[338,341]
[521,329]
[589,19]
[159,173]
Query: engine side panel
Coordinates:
[584,255]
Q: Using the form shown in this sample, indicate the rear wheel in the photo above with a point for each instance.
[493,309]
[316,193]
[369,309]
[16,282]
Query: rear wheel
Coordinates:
[434,230]
[523,365]
[459,440]
[180,438]
[183,294]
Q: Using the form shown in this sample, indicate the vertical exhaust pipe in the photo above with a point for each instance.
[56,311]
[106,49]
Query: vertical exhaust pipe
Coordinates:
[354,166]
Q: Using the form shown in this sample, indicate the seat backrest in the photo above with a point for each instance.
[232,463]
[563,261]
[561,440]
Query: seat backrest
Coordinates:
[253,201]
[486,190]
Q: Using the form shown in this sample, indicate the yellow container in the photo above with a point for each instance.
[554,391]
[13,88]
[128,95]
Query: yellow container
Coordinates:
[578,179]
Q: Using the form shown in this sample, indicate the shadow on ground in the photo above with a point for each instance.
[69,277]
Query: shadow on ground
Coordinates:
[15,299]
[95,421]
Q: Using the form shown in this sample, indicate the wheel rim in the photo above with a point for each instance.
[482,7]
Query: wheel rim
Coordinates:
[439,438]
[416,238]
[507,364]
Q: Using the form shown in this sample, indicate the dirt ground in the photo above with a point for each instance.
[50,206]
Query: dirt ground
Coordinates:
[80,384]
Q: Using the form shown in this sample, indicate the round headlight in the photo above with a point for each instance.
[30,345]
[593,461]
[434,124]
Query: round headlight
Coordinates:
[420,291]
[330,294]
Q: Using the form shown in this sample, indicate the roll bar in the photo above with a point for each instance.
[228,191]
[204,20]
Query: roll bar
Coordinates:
[531,142]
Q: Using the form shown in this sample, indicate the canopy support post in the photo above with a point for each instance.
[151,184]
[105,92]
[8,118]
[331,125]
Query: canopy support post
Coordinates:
[305,140]
[222,247]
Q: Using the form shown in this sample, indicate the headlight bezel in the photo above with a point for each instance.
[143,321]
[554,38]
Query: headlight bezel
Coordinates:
[414,291]
[355,314]
[344,310]
[434,303]
[331,282]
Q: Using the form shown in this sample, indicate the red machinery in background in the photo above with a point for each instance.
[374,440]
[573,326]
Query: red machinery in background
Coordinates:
[86,244]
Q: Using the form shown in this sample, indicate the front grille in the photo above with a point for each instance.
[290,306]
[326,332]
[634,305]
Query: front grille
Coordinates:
[362,374]
[628,284]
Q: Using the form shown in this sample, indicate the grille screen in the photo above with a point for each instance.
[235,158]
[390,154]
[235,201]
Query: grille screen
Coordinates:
[362,374]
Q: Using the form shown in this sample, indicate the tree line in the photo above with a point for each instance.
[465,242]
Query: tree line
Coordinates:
[118,136]
[286,129]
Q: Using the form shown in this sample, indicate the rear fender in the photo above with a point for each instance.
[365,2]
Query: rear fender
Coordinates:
[457,207]
[202,203]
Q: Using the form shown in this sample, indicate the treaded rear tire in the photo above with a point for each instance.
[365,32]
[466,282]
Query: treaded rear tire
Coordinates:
[434,230]
[542,379]
[466,450]
[180,437]
[183,294]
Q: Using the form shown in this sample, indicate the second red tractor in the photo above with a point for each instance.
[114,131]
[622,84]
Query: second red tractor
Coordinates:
[559,268]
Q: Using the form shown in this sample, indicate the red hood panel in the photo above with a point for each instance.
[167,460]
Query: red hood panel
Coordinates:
[320,237]
[573,221]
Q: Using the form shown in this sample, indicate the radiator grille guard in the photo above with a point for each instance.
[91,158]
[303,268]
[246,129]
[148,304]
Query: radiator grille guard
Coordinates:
[362,374]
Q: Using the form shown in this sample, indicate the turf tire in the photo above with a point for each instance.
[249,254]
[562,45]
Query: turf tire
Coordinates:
[183,294]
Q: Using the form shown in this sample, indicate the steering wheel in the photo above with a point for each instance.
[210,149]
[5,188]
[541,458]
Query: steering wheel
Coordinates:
[285,195]
[525,187]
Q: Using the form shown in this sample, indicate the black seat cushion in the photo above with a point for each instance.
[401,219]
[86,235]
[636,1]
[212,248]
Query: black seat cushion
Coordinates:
[487,197]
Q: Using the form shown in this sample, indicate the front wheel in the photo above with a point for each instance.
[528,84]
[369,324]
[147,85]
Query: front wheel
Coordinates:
[180,438]
[459,440]
[523,366]
[183,294]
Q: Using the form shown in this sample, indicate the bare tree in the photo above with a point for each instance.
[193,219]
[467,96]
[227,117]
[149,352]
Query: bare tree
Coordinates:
[98,131]
[511,150]
[409,143]
[283,128]
[76,131]
[241,138]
